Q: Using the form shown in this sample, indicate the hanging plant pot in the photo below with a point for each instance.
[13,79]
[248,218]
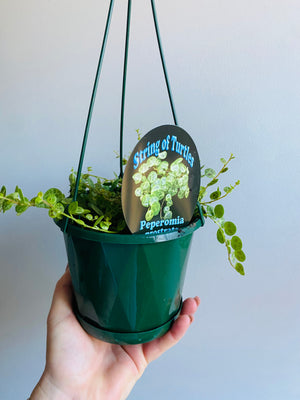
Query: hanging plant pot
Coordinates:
[128,288]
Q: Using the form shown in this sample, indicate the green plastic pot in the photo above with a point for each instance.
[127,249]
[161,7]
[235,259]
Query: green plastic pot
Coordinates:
[128,288]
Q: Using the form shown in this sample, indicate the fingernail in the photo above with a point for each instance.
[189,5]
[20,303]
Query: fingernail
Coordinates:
[197,299]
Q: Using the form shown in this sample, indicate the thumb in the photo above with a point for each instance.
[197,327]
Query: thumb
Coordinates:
[62,300]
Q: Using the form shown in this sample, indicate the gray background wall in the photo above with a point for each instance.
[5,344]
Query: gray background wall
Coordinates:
[234,70]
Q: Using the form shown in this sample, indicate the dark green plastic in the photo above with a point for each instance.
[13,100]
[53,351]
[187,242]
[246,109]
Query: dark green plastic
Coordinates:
[128,288]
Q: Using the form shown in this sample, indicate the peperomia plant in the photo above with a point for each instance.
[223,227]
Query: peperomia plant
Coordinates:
[98,206]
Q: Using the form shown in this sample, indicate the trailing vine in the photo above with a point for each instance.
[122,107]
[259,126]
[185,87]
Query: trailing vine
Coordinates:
[226,232]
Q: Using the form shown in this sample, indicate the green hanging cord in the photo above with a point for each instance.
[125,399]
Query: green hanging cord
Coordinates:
[163,61]
[124,86]
[92,102]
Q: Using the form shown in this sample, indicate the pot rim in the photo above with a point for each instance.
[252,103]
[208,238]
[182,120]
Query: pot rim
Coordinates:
[129,238]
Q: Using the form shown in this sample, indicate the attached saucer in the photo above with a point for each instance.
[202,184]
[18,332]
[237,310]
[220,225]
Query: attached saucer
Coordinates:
[123,338]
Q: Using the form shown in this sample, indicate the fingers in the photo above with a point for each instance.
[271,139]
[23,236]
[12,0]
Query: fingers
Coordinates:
[190,306]
[62,299]
[157,347]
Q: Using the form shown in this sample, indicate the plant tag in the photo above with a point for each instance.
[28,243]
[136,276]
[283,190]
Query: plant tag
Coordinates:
[161,182]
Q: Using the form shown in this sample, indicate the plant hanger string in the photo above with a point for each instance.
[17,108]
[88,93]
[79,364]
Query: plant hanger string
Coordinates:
[124,86]
[125,75]
[95,87]
[163,62]
[92,102]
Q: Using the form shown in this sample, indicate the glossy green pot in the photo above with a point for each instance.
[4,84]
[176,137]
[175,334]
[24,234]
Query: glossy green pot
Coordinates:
[128,288]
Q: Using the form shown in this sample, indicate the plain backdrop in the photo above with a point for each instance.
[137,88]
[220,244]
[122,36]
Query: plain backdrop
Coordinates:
[234,72]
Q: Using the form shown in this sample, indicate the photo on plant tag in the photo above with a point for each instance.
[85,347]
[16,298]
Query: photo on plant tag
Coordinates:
[161,181]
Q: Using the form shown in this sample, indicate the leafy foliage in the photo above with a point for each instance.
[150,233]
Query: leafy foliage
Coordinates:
[98,204]
[226,229]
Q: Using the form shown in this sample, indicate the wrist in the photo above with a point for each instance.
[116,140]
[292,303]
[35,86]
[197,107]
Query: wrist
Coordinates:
[46,390]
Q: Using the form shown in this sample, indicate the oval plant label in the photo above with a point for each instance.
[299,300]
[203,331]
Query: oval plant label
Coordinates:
[161,181]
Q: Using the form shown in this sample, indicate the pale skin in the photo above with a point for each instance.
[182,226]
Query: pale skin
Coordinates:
[80,367]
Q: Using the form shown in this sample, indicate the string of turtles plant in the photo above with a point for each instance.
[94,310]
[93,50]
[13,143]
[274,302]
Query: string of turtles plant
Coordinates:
[98,206]
[226,233]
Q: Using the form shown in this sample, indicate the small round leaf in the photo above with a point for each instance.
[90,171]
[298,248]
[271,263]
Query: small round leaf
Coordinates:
[104,225]
[215,195]
[79,210]
[236,243]
[210,173]
[55,193]
[21,208]
[219,211]
[73,207]
[230,228]
[239,268]
[240,255]
[220,236]
[89,217]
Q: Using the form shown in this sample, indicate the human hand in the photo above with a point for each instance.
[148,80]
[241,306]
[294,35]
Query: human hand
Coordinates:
[79,366]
